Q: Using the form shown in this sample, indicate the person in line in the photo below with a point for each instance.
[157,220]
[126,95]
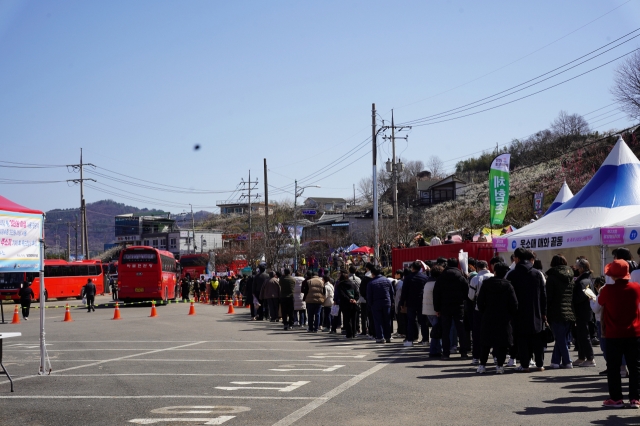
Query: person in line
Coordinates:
[214,290]
[258,282]
[380,293]
[560,309]
[26,295]
[248,295]
[582,291]
[90,294]
[528,284]
[435,346]
[314,295]
[449,294]
[328,303]
[270,293]
[366,318]
[185,287]
[497,304]
[621,327]
[356,279]
[287,286]
[401,311]
[476,318]
[299,306]
[196,290]
[411,297]
[347,293]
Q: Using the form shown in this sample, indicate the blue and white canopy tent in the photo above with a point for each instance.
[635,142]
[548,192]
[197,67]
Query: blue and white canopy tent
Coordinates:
[609,199]
[563,196]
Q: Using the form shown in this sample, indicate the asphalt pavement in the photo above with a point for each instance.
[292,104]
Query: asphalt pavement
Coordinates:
[216,368]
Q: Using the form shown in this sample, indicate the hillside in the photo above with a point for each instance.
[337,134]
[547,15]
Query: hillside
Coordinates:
[100,218]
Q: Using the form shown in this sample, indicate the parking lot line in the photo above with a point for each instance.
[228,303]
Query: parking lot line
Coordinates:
[156,397]
[204,375]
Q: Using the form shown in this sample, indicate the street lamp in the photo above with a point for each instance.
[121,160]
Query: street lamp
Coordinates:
[298,192]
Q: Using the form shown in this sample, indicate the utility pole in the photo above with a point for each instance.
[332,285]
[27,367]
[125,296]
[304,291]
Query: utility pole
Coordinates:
[76,237]
[249,185]
[266,212]
[394,167]
[84,238]
[374,152]
[193,231]
[354,194]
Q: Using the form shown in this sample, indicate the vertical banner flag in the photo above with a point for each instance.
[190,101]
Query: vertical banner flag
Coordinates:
[499,188]
[538,197]
[20,242]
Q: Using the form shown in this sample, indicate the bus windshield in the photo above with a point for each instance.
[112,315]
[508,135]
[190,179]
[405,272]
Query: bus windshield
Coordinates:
[11,278]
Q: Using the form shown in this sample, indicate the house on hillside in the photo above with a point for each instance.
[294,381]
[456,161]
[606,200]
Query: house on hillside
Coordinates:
[240,207]
[431,192]
[326,204]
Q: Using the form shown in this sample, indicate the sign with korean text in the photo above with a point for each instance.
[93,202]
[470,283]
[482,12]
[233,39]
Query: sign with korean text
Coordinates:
[538,197]
[309,212]
[551,241]
[499,188]
[20,235]
[612,236]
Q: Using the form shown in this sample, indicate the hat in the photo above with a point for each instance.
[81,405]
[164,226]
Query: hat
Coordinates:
[618,269]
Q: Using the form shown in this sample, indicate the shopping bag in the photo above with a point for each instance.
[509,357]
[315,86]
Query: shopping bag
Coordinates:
[547,334]
[335,310]
[84,300]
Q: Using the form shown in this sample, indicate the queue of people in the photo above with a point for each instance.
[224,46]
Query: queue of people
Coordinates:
[512,313]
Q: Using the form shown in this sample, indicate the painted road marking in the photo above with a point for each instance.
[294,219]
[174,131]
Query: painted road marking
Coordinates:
[201,409]
[216,421]
[322,367]
[291,386]
[300,413]
[337,355]
[155,397]
[214,374]
[25,346]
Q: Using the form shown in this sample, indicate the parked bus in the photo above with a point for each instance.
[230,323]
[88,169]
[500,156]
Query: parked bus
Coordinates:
[62,280]
[233,268]
[194,265]
[147,273]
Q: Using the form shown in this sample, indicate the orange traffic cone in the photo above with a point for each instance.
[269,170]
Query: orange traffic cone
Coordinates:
[16,317]
[231,311]
[67,314]
[116,313]
[235,302]
[192,309]
[153,309]
[226,299]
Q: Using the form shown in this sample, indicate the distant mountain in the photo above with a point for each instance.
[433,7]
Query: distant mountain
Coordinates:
[100,223]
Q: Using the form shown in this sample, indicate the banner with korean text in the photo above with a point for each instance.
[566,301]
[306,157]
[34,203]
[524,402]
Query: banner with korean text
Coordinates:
[20,235]
[499,188]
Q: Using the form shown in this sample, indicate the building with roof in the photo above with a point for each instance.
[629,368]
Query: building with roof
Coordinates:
[431,191]
[326,204]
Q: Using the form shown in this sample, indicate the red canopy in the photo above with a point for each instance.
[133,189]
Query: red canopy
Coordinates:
[363,249]
[8,205]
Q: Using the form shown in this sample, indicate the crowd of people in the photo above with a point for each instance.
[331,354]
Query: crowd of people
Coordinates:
[512,311]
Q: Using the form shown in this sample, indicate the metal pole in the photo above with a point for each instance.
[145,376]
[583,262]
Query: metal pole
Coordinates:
[193,230]
[81,206]
[250,257]
[295,227]
[76,237]
[42,310]
[266,212]
[394,171]
[374,151]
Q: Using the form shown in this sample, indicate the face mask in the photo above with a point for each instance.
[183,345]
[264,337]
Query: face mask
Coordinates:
[368,274]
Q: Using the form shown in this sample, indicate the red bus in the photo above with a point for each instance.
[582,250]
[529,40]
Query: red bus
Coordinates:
[194,265]
[62,280]
[232,268]
[147,273]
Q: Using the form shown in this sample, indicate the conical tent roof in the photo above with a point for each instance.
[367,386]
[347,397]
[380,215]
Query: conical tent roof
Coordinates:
[10,206]
[563,196]
[612,195]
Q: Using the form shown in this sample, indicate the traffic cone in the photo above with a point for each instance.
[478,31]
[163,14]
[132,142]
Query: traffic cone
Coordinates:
[16,317]
[235,302]
[116,313]
[67,314]
[231,311]
[153,309]
[192,309]
[226,299]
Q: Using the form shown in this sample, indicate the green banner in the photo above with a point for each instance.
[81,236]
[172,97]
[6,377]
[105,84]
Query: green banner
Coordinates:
[499,188]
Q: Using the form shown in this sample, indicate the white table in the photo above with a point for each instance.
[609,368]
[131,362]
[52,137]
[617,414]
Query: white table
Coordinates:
[4,370]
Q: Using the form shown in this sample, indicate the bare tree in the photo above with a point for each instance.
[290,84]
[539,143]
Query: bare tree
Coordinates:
[411,170]
[626,89]
[365,187]
[569,125]
[436,166]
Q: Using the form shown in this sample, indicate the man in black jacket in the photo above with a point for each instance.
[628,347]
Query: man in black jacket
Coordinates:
[258,281]
[287,284]
[347,293]
[90,293]
[528,284]
[411,297]
[449,293]
[366,317]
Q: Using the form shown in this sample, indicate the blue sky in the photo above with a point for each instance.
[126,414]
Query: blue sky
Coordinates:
[138,84]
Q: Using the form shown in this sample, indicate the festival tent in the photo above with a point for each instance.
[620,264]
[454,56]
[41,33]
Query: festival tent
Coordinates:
[363,250]
[611,196]
[22,243]
[351,248]
[563,196]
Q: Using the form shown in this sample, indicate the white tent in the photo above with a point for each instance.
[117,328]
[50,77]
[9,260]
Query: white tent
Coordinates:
[611,197]
[563,196]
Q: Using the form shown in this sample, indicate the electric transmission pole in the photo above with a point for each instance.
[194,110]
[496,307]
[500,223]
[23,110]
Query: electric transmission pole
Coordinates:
[84,237]
[248,187]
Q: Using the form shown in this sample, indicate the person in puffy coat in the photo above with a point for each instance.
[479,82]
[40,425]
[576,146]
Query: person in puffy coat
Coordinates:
[299,307]
[449,294]
[559,309]
[328,303]
[380,293]
[435,346]
[411,297]
[314,295]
